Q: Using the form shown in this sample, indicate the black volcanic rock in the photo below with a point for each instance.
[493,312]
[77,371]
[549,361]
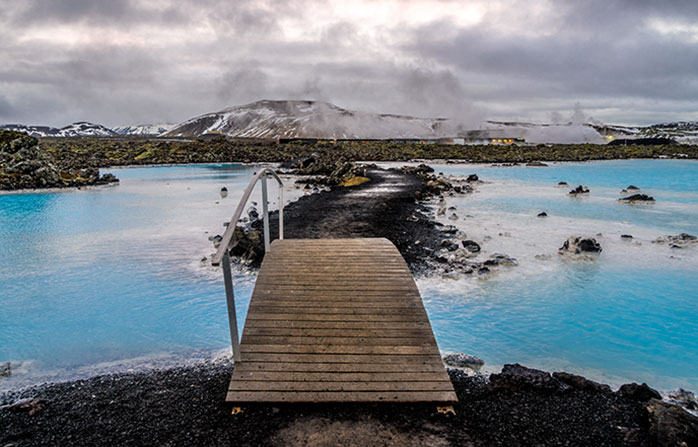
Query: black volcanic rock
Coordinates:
[24,164]
[578,245]
[637,198]
[517,377]
[579,190]
[640,393]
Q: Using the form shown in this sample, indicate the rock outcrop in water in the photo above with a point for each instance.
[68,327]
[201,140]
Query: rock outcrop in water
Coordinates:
[579,190]
[576,245]
[637,198]
[680,240]
[23,165]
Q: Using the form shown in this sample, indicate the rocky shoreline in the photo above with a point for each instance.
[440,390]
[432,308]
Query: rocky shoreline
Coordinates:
[25,165]
[185,406]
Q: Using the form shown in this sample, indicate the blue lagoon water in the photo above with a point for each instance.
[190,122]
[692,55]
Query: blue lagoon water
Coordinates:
[111,279]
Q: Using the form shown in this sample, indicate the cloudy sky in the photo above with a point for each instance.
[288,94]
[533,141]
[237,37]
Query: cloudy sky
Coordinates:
[129,62]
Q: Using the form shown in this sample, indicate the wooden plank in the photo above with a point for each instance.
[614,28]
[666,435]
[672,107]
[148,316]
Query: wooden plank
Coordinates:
[334,317]
[366,341]
[339,358]
[339,310]
[336,349]
[334,324]
[339,294]
[352,304]
[320,324]
[407,368]
[334,376]
[356,288]
[378,333]
[442,397]
[265,385]
[352,301]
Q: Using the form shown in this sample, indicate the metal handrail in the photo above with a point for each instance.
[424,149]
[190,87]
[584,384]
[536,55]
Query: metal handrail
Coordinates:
[222,255]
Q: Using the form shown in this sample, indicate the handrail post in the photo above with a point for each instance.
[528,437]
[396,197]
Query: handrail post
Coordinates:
[281,211]
[265,208]
[232,314]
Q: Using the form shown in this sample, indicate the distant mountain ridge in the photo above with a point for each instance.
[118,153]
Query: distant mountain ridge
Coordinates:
[310,119]
[271,119]
[77,129]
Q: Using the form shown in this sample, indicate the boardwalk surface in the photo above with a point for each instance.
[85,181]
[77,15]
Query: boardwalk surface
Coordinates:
[337,320]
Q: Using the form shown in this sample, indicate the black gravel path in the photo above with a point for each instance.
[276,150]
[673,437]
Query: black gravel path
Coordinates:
[384,207]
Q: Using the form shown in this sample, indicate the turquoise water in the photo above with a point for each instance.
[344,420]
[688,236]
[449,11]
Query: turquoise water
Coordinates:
[111,279]
[631,314]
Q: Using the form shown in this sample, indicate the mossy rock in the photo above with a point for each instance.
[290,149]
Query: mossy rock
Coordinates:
[354,181]
[143,155]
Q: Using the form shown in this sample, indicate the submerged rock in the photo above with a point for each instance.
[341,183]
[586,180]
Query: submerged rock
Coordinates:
[632,188]
[484,272]
[637,198]
[471,246]
[451,275]
[562,184]
[461,360]
[678,240]
[5,369]
[577,245]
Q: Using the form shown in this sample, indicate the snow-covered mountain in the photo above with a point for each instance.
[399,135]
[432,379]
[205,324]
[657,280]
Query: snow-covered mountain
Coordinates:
[144,129]
[78,129]
[35,131]
[85,129]
[310,119]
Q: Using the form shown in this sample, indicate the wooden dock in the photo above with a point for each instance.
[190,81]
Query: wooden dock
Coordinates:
[337,320]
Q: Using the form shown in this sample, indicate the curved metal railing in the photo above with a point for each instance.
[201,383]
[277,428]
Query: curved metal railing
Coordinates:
[222,256]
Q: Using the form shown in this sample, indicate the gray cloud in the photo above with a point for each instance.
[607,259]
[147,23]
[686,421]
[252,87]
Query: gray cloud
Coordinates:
[244,81]
[129,62]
